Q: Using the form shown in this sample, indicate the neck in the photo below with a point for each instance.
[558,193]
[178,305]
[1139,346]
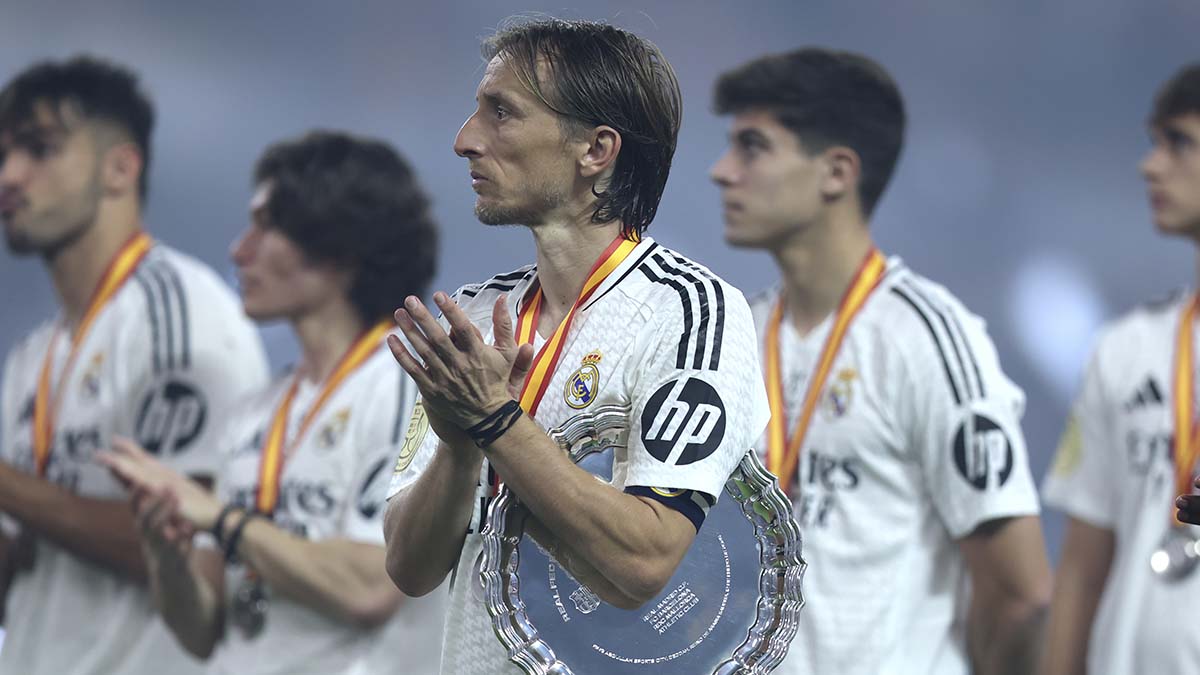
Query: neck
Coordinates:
[818,264]
[325,334]
[565,256]
[77,267]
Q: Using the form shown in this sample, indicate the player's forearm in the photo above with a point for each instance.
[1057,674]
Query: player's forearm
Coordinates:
[579,567]
[1068,628]
[189,604]
[426,523]
[622,537]
[1078,587]
[341,579]
[1005,635]
[98,530]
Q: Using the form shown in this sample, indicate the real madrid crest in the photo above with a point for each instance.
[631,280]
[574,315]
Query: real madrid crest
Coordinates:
[839,394]
[91,376]
[332,432]
[583,384]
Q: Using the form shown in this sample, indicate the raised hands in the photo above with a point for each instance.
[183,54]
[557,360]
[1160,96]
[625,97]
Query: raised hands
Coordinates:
[461,378]
[160,487]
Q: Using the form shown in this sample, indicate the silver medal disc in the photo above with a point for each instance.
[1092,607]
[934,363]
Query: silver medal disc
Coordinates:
[1177,556]
[249,607]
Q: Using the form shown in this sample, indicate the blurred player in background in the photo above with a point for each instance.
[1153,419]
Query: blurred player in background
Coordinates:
[573,136]
[893,428]
[295,583]
[1127,583]
[148,344]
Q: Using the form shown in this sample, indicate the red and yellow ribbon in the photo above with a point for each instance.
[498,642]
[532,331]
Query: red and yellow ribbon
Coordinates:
[1187,445]
[45,403]
[546,361]
[270,467]
[784,457]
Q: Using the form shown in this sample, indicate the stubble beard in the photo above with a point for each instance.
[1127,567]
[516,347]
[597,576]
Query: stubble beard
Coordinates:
[80,215]
[539,202]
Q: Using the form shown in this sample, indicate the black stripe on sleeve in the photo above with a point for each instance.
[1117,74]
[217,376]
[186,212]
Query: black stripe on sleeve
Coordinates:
[937,341]
[970,354]
[685,338]
[496,283]
[702,303]
[184,327]
[719,328]
[155,346]
[954,337]
[168,320]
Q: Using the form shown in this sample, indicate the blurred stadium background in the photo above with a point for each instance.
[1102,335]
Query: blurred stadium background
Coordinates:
[1018,187]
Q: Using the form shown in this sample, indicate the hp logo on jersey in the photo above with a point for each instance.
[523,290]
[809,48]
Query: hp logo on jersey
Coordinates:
[683,422]
[170,418]
[983,453]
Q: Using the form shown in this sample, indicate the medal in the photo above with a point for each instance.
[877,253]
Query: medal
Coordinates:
[1177,556]
[783,456]
[249,607]
[1179,553]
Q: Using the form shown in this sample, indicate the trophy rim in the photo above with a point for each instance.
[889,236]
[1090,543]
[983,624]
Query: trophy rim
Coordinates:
[777,613]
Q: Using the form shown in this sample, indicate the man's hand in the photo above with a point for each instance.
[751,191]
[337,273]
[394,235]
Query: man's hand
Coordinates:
[1189,507]
[461,379]
[166,534]
[135,468]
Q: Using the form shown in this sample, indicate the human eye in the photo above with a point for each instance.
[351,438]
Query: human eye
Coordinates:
[1178,141]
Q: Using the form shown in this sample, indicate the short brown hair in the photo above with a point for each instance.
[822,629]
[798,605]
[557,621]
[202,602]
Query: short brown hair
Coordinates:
[601,74]
[1179,96]
[826,98]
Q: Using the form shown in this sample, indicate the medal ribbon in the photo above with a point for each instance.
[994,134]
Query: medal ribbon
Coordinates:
[45,404]
[271,465]
[1187,445]
[783,457]
[547,359]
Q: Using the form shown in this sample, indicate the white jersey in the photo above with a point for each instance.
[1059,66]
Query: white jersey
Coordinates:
[915,442]
[1115,471]
[662,335]
[334,486]
[162,364]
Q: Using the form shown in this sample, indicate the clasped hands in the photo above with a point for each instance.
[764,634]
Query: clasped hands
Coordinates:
[169,508]
[461,378]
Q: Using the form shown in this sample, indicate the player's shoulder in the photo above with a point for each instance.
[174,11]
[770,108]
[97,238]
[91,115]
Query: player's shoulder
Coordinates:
[31,347]
[1142,324]
[171,287]
[670,283]
[910,305]
[477,299]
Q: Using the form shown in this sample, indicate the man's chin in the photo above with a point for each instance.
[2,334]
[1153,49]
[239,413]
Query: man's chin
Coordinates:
[739,238]
[19,242]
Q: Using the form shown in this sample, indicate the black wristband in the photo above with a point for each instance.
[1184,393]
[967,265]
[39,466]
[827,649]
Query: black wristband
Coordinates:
[235,536]
[218,528]
[494,425]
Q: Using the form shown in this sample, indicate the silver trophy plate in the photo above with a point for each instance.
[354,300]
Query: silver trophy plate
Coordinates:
[732,606]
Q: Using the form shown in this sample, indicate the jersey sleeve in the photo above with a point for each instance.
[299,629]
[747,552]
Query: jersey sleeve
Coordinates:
[381,434]
[192,355]
[1081,480]
[964,419]
[9,412]
[697,397]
